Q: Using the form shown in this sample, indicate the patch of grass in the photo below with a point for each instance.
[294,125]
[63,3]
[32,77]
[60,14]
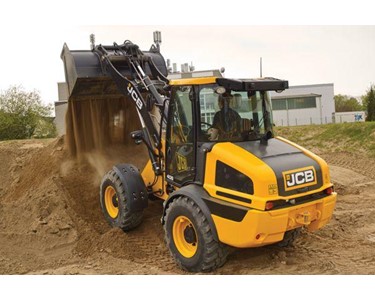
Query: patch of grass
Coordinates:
[351,137]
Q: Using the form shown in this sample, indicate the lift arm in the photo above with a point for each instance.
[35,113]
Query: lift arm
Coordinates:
[132,88]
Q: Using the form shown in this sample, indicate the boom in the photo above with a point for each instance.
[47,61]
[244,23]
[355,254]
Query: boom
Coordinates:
[132,88]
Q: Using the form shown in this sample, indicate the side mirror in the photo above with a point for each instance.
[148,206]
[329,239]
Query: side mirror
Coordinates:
[269,135]
[264,139]
[137,136]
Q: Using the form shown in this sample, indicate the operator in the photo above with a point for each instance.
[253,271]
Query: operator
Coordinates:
[227,122]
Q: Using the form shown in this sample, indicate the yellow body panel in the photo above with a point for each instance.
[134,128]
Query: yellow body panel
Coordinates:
[240,160]
[158,183]
[260,228]
[158,187]
[192,81]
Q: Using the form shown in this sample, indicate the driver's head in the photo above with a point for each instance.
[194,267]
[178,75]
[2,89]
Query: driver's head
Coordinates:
[226,97]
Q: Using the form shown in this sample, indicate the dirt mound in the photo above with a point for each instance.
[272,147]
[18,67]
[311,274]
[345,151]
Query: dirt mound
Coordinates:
[51,221]
[49,204]
[33,221]
[351,172]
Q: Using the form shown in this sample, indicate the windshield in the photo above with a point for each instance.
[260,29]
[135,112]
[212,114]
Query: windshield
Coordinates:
[234,115]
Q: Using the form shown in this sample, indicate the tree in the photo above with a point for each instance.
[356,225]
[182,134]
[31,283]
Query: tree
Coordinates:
[20,113]
[369,103]
[346,103]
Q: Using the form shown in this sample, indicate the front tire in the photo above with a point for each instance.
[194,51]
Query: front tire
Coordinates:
[114,204]
[190,239]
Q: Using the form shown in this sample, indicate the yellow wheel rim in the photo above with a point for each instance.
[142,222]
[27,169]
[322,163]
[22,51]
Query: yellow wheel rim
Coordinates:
[185,236]
[111,202]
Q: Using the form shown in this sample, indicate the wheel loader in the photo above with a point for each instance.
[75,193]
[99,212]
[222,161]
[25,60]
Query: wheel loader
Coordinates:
[225,179]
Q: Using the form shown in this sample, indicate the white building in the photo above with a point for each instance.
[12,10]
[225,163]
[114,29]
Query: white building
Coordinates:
[350,117]
[298,105]
[303,105]
[60,107]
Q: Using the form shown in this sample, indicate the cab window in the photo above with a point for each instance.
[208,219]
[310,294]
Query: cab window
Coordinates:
[180,147]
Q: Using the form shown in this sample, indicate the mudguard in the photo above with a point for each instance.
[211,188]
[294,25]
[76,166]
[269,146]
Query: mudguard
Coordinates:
[195,193]
[135,188]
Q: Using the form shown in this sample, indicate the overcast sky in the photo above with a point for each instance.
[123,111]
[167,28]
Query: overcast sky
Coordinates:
[32,39]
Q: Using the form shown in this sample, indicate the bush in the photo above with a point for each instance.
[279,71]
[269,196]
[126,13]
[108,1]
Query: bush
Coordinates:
[21,112]
[46,128]
[346,103]
[369,100]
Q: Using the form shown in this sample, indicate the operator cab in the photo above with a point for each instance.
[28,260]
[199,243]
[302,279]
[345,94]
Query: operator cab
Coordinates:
[223,110]
[233,116]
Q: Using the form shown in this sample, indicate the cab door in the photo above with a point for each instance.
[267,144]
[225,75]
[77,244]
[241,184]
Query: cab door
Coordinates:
[181,137]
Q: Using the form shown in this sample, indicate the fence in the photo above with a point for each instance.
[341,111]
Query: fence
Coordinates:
[346,117]
[301,121]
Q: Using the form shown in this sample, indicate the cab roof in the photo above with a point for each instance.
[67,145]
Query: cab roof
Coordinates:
[259,84]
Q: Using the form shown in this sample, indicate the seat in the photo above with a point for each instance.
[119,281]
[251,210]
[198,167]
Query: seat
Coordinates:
[236,101]
[246,124]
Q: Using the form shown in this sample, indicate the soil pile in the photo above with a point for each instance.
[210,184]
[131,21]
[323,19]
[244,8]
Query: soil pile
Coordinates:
[50,212]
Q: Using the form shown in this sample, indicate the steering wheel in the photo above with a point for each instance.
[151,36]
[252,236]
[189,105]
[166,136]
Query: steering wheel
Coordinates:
[205,123]
[208,126]
[204,132]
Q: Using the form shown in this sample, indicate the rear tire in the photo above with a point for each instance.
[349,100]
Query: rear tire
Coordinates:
[114,205]
[289,237]
[190,239]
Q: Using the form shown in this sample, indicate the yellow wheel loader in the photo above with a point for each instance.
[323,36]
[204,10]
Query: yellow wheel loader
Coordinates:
[224,177]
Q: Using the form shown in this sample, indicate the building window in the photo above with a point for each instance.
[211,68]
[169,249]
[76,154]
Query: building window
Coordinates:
[279,104]
[208,104]
[294,103]
[298,103]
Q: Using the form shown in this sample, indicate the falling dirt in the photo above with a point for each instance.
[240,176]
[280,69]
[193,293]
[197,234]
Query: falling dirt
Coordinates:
[97,124]
[51,221]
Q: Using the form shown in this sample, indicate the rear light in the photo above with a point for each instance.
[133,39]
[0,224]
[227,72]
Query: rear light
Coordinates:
[269,205]
[329,190]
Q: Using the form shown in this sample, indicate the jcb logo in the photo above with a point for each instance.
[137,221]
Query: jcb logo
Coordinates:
[299,178]
[134,96]
[181,163]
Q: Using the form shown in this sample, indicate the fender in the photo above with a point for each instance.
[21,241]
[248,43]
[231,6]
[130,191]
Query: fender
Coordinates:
[135,189]
[195,193]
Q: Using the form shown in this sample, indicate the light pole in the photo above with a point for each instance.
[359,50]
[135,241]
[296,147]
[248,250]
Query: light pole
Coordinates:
[157,39]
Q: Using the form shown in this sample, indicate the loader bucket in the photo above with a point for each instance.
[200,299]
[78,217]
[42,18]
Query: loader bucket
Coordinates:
[86,77]
[98,114]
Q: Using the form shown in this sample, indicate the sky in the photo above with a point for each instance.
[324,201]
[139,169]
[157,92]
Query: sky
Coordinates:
[293,46]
